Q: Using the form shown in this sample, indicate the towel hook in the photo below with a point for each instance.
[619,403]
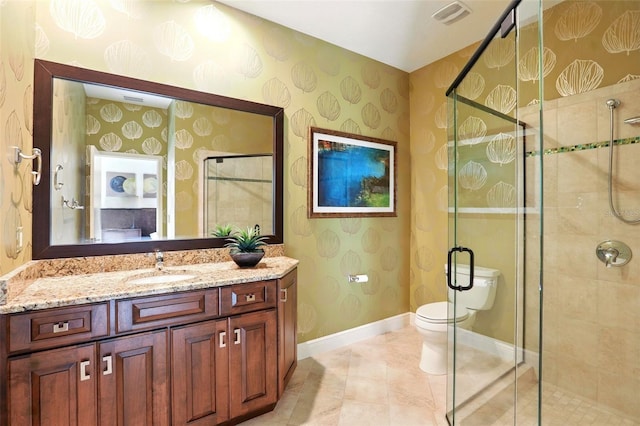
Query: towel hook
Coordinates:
[37,155]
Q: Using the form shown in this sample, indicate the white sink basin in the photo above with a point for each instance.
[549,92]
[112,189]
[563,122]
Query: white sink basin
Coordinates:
[161,279]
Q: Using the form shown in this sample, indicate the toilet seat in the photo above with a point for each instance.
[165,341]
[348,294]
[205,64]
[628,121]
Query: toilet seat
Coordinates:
[436,313]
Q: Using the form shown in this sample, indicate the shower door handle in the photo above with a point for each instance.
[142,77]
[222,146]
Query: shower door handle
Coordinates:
[449,269]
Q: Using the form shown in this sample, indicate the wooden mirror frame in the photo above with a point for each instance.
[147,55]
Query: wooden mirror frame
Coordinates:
[45,72]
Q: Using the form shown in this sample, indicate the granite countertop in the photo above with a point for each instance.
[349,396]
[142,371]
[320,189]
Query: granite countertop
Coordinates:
[51,292]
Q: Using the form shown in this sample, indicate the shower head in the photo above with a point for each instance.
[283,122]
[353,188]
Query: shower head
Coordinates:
[633,120]
[613,103]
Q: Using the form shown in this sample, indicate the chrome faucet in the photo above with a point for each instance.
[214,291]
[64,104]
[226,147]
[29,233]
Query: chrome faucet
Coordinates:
[159,260]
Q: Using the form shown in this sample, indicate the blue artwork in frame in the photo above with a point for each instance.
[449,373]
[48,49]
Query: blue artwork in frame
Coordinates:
[350,175]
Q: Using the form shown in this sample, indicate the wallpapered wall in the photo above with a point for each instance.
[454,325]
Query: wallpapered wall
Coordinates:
[587,45]
[317,84]
[213,48]
[16,106]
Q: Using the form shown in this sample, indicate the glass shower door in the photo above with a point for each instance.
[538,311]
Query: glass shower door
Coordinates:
[486,228]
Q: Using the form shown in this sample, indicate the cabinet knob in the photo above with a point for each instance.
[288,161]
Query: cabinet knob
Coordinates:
[222,336]
[238,340]
[84,372]
[283,291]
[109,368]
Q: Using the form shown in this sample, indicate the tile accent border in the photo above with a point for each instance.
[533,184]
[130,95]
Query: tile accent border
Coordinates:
[584,147]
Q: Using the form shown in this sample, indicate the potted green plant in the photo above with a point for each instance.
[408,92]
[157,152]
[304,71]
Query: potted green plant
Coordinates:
[246,247]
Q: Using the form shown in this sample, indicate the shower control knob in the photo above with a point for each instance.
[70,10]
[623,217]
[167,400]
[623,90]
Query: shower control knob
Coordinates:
[613,253]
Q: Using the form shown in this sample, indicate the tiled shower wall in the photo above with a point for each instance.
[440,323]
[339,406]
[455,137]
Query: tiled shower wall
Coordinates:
[591,316]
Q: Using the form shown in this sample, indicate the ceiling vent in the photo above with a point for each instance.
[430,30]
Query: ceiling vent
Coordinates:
[451,13]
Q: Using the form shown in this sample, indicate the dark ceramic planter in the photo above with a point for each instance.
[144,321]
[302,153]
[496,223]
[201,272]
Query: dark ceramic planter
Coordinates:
[247,260]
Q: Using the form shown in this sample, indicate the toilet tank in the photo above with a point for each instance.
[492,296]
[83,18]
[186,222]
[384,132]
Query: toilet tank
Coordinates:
[483,293]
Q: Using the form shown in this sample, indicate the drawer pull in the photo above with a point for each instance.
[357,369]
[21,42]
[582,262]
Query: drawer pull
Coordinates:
[237,341]
[284,295]
[250,297]
[109,360]
[61,327]
[222,336]
[84,373]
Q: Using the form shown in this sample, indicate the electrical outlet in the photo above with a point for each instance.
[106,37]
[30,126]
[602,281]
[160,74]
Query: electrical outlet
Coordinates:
[18,239]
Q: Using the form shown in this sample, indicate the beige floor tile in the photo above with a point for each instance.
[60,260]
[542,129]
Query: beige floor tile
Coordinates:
[362,389]
[378,382]
[406,415]
[364,414]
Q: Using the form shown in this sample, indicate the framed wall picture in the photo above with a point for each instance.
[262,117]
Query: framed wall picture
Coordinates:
[350,175]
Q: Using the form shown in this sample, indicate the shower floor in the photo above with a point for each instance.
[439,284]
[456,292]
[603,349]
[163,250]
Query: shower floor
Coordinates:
[493,406]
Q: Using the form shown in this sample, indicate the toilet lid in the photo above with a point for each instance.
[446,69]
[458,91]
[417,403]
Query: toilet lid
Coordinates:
[437,312]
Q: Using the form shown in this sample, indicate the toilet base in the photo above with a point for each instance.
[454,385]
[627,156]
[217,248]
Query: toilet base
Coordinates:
[434,355]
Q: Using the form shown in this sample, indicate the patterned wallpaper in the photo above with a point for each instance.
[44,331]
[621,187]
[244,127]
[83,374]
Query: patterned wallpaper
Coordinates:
[210,47]
[16,105]
[587,45]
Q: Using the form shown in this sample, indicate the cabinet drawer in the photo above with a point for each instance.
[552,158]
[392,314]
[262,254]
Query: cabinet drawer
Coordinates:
[157,311]
[56,327]
[247,297]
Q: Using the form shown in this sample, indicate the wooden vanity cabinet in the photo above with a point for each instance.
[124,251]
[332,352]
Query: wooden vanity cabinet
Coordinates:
[133,380]
[227,369]
[287,328]
[54,387]
[96,383]
[200,373]
[253,368]
[142,361]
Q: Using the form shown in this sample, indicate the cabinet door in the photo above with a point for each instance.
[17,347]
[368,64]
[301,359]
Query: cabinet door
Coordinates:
[54,388]
[134,381]
[200,373]
[287,329]
[253,374]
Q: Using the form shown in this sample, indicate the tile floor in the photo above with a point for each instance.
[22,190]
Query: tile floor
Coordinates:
[374,382]
[378,382]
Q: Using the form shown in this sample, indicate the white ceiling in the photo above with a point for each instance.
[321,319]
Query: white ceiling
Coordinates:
[400,33]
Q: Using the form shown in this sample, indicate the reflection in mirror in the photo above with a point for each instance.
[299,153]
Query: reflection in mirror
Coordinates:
[237,192]
[139,166]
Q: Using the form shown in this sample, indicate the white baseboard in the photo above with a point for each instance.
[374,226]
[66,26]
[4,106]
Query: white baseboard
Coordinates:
[344,338]
[353,335]
[503,350]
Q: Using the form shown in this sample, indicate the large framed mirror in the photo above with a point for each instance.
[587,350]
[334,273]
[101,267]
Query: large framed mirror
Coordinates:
[132,166]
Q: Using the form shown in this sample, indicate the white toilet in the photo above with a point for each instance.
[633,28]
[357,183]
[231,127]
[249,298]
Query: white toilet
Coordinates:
[433,319]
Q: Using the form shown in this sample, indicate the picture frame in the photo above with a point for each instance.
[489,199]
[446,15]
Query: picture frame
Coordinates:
[350,175]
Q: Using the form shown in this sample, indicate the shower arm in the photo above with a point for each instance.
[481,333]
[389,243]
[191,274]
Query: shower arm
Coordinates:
[613,104]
